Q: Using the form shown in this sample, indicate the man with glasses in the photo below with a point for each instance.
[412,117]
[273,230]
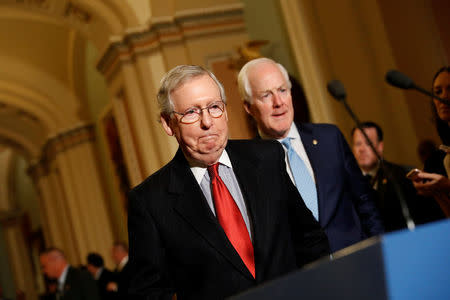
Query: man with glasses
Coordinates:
[217,219]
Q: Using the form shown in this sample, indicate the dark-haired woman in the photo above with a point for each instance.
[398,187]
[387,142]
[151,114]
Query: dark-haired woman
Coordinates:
[434,180]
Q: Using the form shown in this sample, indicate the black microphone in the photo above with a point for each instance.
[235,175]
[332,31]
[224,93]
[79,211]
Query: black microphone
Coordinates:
[400,80]
[336,89]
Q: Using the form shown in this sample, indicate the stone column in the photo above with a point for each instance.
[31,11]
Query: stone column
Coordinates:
[72,197]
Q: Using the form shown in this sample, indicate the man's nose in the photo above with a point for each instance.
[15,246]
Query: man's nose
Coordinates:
[205,119]
[277,100]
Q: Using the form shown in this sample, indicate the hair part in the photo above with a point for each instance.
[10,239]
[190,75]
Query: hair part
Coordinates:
[95,259]
[243,83]
[370,124]
[175,78]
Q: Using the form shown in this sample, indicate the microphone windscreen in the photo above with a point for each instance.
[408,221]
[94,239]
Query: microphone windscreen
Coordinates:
[336,89]
[398,79]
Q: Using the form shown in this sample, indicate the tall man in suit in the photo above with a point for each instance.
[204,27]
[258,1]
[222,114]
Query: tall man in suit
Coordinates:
[318,159]
[222,216]
[73,284]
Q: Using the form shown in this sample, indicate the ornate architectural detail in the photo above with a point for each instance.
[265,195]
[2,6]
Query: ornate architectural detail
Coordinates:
[163,30]
[59,143]
[68,139]
[77,13]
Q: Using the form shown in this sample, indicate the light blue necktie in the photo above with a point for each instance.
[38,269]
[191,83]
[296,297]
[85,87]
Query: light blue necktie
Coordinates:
[303,180]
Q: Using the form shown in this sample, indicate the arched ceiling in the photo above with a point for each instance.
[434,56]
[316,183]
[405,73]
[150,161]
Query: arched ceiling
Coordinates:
[42,78]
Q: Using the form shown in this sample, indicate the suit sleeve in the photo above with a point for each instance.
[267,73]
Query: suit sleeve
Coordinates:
[310,241]
[363,194]
[147,271]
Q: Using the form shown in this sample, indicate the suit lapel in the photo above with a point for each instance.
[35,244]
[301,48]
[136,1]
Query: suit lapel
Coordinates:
[192,206]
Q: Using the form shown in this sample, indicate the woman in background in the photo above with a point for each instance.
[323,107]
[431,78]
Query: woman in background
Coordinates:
[434,180]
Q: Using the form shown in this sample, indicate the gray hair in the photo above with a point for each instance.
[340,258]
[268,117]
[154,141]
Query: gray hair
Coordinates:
[244,86]
[177,77]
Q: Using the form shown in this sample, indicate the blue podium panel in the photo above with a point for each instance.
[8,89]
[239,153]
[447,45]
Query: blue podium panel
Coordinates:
[397,266]
[417,264]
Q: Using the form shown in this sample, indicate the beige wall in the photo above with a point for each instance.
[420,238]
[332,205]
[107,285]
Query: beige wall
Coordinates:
[357,42]
[417,47]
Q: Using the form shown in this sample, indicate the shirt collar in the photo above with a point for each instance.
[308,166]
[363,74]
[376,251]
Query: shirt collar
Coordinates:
[62,278]
[372,172]
[123,262]
[98,273]
[293,134]
[199,172]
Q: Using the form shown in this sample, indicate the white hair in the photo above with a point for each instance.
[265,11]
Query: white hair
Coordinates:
[244,86]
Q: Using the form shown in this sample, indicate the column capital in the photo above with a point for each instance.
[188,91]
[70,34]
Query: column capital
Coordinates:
[60,142]
[162,30]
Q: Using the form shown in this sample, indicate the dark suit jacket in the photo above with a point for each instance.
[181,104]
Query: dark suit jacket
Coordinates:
[387,200]
[79,285]
[177,244]
[106,277]
[347,209]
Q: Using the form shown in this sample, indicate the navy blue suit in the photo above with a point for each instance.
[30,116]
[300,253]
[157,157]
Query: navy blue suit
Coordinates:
[347,210]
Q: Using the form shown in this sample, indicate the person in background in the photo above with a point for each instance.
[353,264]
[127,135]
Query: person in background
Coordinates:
[73,284]
[96,266]
[120,257]
[388,180]
[222,216]
[434,180]
[318,159]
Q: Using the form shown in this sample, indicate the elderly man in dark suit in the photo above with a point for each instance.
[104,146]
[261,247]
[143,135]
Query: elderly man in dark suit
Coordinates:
[318,159]
[73,284]
[222,216]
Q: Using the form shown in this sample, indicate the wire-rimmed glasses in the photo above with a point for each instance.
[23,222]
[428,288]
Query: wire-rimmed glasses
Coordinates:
[192,115]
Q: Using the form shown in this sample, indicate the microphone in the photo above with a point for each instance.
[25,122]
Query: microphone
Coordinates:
[336,89]
[400,80]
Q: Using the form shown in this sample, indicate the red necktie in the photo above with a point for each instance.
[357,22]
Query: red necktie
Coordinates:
[231,220]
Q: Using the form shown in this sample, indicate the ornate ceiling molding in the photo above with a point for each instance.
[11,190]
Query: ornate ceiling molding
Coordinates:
[161,30]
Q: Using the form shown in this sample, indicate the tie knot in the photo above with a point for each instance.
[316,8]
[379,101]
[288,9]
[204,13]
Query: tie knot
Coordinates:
[213,170]
[286,142]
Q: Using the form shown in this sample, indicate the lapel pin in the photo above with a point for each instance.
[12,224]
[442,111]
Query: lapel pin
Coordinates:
[315,142]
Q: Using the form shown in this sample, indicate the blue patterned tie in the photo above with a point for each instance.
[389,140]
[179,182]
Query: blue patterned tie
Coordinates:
[303,180]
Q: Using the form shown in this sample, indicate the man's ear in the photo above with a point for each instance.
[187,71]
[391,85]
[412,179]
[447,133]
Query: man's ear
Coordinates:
[165,121]
[247,107]
[380,148]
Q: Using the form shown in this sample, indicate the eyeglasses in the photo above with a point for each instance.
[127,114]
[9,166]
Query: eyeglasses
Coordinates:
[192,115]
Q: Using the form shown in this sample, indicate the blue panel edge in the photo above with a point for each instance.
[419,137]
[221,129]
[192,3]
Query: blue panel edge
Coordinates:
[417,263]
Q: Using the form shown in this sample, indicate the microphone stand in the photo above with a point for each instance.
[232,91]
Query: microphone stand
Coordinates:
[428,93]
[404,207]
